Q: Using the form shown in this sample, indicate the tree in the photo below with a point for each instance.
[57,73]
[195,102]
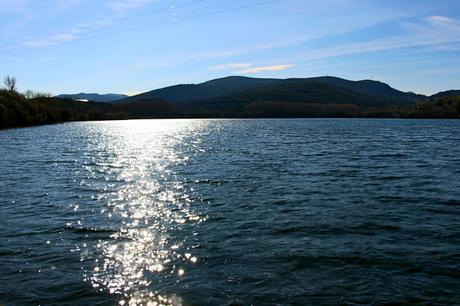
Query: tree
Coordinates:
[10,83]
[29,94]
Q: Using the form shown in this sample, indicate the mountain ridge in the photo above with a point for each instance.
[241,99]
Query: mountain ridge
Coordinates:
[323,89]
[446,94]
[181,93]
[95,97]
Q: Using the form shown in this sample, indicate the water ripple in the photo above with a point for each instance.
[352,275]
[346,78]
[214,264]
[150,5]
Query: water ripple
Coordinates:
[231,212]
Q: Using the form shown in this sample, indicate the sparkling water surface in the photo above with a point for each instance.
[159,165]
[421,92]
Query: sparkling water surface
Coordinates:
[231,212]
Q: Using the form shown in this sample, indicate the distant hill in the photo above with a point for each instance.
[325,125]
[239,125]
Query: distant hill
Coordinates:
[16,110]
[234,97]
[374,88]
[445,94]
[313,90]
[198,92]
[288,98]
[446,107]
[235,92]
[93,97]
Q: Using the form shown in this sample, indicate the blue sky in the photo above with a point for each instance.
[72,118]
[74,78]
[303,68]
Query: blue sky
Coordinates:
[131,46]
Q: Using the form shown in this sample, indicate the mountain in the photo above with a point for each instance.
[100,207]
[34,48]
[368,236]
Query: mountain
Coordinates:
[93,97]
[234,92]
[195,92]
[372,87]
[286,98]
[445,94]
[315,90]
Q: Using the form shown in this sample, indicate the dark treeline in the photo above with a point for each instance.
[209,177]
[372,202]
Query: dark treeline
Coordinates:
[446,107]
[20,110]
[16,110]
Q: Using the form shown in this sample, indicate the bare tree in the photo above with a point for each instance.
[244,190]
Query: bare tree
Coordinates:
[10,83]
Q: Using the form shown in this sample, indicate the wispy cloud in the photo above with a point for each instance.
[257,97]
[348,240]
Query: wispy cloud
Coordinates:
[121,6]
[264,69]
[442,20]
[67,3]
[51,40]
[432,32]
[80,29]
[97,23]
[281,43]
[245,68]
[144,65]
[13,5]
[297,40]
[230,66]
[214,54]
[22,6]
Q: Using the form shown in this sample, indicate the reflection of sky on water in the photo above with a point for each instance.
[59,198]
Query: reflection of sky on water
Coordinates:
[131,166]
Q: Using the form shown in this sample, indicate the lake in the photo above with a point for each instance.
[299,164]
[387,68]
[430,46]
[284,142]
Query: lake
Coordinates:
[231,212]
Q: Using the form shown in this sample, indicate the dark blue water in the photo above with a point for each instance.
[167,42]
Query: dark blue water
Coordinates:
[215,212]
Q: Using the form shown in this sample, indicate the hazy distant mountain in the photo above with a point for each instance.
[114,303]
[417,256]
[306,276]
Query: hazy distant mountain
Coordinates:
[234,92]
[445,94]
[93,97]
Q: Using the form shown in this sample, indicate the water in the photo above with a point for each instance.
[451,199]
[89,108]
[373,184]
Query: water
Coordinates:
[221,212]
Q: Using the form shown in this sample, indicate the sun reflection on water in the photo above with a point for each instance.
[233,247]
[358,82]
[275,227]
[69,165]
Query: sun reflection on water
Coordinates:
[143,194]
